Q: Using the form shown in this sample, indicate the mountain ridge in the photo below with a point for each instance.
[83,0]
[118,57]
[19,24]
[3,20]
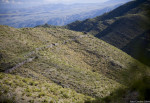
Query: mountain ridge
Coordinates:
[119,26]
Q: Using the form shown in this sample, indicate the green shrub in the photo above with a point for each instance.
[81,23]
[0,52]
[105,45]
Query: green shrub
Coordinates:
[1,76]
[45,101]
[21,84]
[28,94]
[7,82]
[31,101]
[36,90]
[25,80]
[143,87]
[52,101]
[6,90]
[28,89]
[66,95]
[31,83]
[17,77]
[41,94]
[1,93]
[6,100]
[23,94]
[36,83]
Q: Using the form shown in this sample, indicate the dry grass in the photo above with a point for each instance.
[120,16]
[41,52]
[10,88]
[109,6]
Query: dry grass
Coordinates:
[87,65]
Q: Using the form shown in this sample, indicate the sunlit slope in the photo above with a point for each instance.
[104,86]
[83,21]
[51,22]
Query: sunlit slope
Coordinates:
[26,90]
[70,59]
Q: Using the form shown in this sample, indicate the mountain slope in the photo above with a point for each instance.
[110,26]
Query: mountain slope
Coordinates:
[120,26]
[65,58]
[18,89]
[94,24]
[123,30]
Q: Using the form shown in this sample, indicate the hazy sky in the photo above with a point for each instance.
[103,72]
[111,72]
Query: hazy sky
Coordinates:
[52,1]
[76,1]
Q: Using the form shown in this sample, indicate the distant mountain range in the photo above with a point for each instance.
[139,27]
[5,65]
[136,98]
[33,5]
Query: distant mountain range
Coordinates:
[52,64]
[18,15]
[123,27]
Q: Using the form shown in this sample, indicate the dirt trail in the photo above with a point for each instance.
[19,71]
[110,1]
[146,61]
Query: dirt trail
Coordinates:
[38,49]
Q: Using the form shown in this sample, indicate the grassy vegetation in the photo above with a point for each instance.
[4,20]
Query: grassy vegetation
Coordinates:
[43,92]
[138,91]
[96,25]
[126,27]
[78,67]
[85,65]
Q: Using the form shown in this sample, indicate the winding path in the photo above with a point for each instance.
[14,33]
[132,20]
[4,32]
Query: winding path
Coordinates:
[38,49]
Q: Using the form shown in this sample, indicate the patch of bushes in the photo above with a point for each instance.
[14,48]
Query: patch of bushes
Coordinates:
[28,94]
[143,87]
[6,89]
[1,76]
[25,80]
[36,90]
[6,100]
[28,89]
[31,101]
[45,101]
[41,94]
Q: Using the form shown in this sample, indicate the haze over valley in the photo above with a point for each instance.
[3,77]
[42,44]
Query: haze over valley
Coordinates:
[28,14]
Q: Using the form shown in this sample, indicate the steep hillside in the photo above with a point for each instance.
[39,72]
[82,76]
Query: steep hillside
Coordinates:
[123,30]
[98,24]
[139,47]
[17,89]
[45,62]
[120,26]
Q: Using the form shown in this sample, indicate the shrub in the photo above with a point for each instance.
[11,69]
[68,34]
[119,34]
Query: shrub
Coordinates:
[27,90]
[1,93]
[1,76]
[29,95]
[41,94]
[21,84]
[6,90]
[23,94]
[66,95]
[6,82]
[17,77]
[31,101]
[143,87]
[6,100]
[52,101]
[36,90]
[45,101]
[25,80]
[31,83]
[36,83]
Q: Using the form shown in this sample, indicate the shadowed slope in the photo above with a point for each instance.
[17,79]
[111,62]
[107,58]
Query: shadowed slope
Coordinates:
[120,26]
